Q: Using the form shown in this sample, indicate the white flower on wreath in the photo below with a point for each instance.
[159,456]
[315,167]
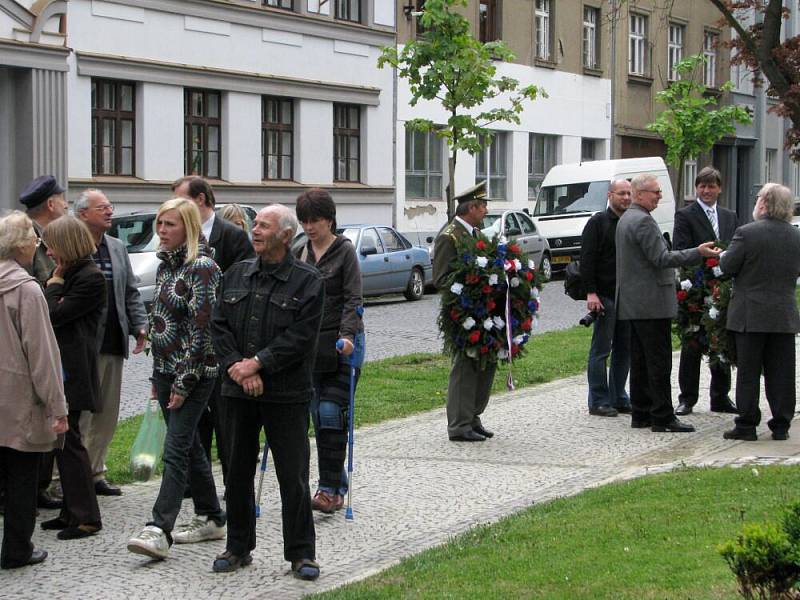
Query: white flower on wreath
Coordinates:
[498,322]
[493,279]
[482,261]
[468,323]
[531,265]
[472,352]
[717,272]
[713,313]
[694,328]
[517,264]
[708,300]
[502,354]
[534,292]
[518,339]
[686,285]
[457,288]
[508,265]
[514,282]
[488,324]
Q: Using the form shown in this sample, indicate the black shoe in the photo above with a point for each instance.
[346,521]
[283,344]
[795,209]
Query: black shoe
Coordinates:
[684,408]
[54,524]
[780,436]
[76,533]
[641,423]
[624,410]
[724,407]
[675,426]
[37,556]
[748,435]
[103,488]
[468,436]
[228,562]
[481,430]
[603,411]
[45,500]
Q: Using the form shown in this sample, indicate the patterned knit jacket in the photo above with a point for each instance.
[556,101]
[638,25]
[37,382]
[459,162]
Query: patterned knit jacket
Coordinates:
[179,321]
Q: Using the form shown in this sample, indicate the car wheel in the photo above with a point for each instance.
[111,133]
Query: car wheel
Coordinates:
[416,285]
[546,268]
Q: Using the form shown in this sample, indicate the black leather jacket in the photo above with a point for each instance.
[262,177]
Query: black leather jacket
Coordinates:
[273,314]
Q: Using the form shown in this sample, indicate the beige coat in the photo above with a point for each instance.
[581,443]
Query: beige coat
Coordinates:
[31,388]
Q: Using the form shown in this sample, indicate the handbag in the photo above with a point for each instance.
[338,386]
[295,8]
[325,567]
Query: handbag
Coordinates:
[149,443]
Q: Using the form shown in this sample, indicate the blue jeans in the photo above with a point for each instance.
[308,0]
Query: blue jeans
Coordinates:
[610,337]
[184,457]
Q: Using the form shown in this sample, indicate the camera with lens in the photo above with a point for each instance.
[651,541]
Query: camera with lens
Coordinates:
[590,318]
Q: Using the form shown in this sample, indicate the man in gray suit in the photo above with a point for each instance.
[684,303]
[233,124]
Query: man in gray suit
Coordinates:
[646,297]
[124,316]
[764,259]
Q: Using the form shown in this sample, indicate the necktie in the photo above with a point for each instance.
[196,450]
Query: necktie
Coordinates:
[475,232]
[712,216]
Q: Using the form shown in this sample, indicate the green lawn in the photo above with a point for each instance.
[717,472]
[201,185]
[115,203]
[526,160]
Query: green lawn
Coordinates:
[654,537]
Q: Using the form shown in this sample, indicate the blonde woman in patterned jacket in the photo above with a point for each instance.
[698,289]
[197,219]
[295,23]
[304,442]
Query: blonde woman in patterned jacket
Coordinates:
[184,372]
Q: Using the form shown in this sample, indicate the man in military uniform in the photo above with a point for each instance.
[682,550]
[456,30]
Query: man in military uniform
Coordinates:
[469,386]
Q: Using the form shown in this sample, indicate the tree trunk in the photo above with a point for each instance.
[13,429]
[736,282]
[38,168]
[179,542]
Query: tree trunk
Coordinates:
[451,192]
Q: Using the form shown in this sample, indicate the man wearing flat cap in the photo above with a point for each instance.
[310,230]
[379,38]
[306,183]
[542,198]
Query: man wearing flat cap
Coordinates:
[44,201]
[469,385]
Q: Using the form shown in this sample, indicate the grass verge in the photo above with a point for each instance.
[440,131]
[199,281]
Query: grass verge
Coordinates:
[653,537]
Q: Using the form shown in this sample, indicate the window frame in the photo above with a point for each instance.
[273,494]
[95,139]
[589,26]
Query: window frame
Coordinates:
[689,175]
[710,46]
[674,48]
[343,9]
[637,45]
[280,127]
[279,4]
[591,47]
[349,133]
[494,155]
[549,150]
[428,173]
[488,30]
[206,123]
[543,10]
[117,115]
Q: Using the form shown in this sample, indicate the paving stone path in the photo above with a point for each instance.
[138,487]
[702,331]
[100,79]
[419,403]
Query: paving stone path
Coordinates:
[413,489]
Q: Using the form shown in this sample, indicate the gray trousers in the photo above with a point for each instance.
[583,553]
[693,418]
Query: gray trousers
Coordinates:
[467,394]
[97,429]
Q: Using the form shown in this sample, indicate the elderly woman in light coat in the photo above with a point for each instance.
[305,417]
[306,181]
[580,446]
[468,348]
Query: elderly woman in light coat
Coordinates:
[32,404]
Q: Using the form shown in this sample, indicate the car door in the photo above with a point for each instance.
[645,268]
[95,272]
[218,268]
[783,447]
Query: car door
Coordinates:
[373,262]
[399,259]
[531,241]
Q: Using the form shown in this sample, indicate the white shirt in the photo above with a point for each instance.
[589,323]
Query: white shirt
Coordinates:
[706,207]
[466,225]
[207,225]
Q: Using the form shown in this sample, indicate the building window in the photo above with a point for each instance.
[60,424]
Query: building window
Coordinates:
[675,49]
[287,4]
[637,52]
[543,29]
[420,9]
[202,140]
[487,21]
[490,165]
[541,158]
[771,166]
[346,142]
[348,10]
[277,135]
[689,174]
[113,127]
[591,41]
[588,149]
[423,165]
[710,54]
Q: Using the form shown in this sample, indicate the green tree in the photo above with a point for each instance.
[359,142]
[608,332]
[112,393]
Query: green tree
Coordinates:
[690,125]
[447,64]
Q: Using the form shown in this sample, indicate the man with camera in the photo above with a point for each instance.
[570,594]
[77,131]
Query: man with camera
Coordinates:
[607,395]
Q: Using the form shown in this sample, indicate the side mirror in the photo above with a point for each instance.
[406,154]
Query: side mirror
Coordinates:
[429,239]
[368,249]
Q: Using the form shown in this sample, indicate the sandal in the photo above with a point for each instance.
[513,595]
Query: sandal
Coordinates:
[305,569]
[227,562]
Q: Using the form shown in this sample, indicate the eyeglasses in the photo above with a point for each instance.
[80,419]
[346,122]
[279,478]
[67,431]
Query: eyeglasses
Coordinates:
[104,208]
[657,192]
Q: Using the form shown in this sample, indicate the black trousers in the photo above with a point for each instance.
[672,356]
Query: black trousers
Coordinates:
[213,422]
[21,477]
[689,378]
[286,426]
[651,368]
[77,482]
[774,355]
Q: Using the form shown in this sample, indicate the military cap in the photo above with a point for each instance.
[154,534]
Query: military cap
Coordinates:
[39,190]
[476,192]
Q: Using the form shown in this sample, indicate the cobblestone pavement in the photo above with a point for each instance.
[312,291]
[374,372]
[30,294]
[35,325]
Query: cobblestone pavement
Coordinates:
[394,327]
[546,446]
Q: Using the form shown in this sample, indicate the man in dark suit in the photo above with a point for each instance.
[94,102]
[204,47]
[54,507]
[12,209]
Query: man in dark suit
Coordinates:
[646,298]
[764,259]
[702,221]
[123,318]
[469,386]
[231,245]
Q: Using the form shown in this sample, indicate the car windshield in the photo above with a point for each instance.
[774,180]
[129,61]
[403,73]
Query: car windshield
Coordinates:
[491,225]
[588,196]
[351,233]
[136,232]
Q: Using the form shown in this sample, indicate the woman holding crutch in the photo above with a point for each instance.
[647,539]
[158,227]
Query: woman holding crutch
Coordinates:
[335,258]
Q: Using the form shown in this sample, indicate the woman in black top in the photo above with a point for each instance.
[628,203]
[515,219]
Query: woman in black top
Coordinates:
[335,258]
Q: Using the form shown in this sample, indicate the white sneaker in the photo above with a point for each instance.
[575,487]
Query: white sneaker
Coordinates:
[152,542]
[199,529]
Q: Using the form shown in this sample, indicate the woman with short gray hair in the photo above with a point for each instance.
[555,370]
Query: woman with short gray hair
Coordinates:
[33,409]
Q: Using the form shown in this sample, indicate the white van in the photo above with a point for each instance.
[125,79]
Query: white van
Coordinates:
[570,194]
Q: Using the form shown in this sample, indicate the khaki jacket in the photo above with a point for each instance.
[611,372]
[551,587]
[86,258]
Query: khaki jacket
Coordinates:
[31,387]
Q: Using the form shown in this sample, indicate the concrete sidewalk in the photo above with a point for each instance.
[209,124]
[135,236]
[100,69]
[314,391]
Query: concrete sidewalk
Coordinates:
[413,489]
